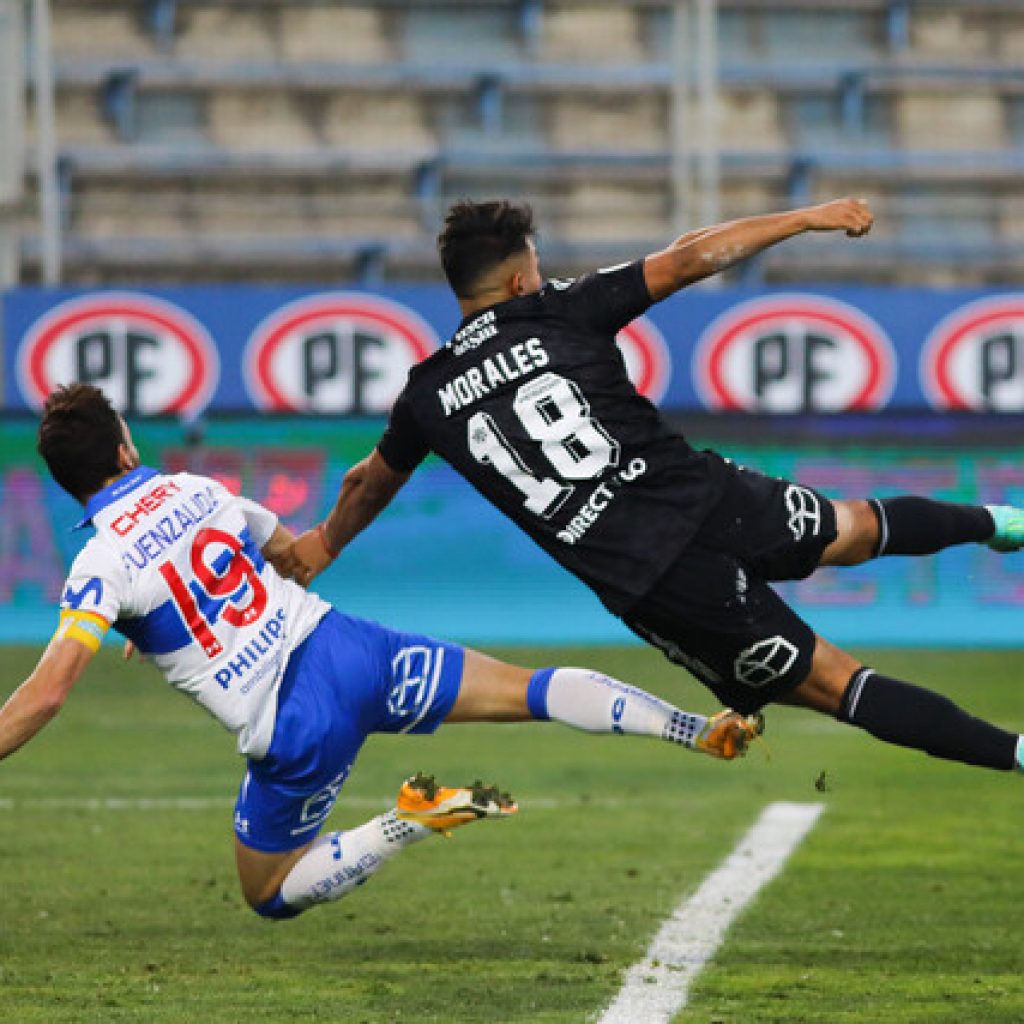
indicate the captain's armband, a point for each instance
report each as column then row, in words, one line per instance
column 87, row 628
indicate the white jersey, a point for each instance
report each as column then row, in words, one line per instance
column 176, row 567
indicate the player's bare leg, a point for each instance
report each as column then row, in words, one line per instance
column 897, row 712
column 858, row 534
column 918, row 526
column 261, row 874
column 282, row 885
column 495, row 691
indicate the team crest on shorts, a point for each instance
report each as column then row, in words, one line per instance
column 764, row 662
column 416, row 672
column 320, row 804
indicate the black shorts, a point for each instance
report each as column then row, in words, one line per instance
column 713, row 611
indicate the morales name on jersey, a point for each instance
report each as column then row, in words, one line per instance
column 493, row 372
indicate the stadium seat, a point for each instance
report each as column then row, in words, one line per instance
column 591, row 34
column 580, row 122
column 264, row 119
column 956, row 34
column 1009, row 39
column 378, row 120
column 104, row 210
column 90, row 30
column 78, row 119
column 228, row 31
column 602, row 211
column 750, row 119
column 335, row 34
column 961, row 120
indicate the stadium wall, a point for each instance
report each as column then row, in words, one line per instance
column 440, row 560
column 188, row 351
column 278, row 390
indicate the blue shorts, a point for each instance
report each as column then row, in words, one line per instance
column 347, row 679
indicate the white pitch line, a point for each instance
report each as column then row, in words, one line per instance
column 204, row 803
column 115, row 803
column 657, row 988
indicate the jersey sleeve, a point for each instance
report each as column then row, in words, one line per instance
column 402, row 446
column 261, row 521
column 94, row 594
column 608, row 299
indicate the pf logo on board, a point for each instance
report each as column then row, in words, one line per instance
column 647, row 359
column 974, row 358
column 794, row 354
column 147, row 355
column 336, row 352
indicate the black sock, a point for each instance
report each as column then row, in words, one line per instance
column 922, row 526
column 910, row 716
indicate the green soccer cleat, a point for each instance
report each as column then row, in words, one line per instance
column 1009, row 535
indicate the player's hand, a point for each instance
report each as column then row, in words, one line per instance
column 851, row 215
column 285, row 562
column 308, row 557
column 130, row 650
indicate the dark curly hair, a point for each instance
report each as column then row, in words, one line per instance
column 79, row 438
column 477, row 237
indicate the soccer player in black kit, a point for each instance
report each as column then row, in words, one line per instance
column 531, row 403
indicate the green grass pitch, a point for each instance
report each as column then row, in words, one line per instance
column 906, row 903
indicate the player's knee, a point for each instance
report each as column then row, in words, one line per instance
column 823, row 688
column 857, row 534
column 274, row 909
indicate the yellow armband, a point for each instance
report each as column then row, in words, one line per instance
column 86, row 627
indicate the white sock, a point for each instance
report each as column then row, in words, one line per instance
column 597, row 703
column 339, row 861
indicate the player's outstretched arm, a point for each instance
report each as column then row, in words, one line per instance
column 366, row 490
column 699, row 254
column 42, row 695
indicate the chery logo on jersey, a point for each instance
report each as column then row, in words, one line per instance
column 647, row 358
column 146, row 354
column 974, row 358
column 338, row 352
column 794, row 353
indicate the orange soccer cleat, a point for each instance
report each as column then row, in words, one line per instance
column 442, row 808
column 728, row 734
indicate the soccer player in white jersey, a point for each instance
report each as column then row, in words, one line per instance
column 194, row 577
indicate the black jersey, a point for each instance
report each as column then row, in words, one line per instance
column 530, row 402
